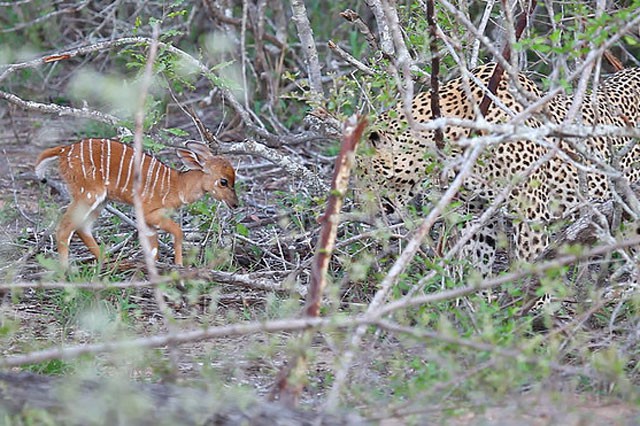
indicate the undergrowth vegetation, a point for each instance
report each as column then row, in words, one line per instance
column 438, row 331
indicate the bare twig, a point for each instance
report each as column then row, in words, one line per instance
column 14, row 3
column 141, row 224
column 273, row 326
column 266, row 281
column 61, row 110
column 143, row 229
column 305, row 33
column 493, row 282
column 351, row 16
column 295, row 170
column 70, row 9
column 349, row 58
column 403, row 62
column 494, row 81
column 479, row 346
column 287, row 324
column 24, row 285
column 435, row 73
column 243, row 52
column 473, row 60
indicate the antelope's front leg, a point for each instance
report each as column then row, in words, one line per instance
column 159, row 219
column 152, row 237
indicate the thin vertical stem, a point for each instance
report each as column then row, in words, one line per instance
column 305, row 33
column 143, row 230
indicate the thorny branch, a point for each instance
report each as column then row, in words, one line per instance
column 353, row 130
column 289, row 385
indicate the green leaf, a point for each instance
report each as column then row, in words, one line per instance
column 177, row 132
column 242, row 230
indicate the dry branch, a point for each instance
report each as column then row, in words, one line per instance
column 162, row 340
column 295, row 170
column 61, row 110
column 141, row 224
column 254, row 280
column 353, row 130
column 305, row 33
column 494, row 81
column 67, row 10
column 473, row 61
column 266, row 281
column 351, row 16
column 347, row 57
column 479, row 346
column 435, row 74
column 384, row 36
column 25, row 285
column 535, row 270
column 289, row 385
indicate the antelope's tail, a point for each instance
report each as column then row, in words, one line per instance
column 45, row 158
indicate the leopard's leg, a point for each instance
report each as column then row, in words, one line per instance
column 531, row 240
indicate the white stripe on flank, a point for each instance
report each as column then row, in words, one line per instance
column 168, row 186
column 155, row 178
column 106, row 179
column 164, row 172
column 148, row 177
column 84, row 171
column 69, row 156
column 144, row 157
column 93, row 166
column 126, row 184
column 122, row 155
column 102, row 169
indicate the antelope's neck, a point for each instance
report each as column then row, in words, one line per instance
column 188, row 188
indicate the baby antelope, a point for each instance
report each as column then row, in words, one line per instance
column 97, row 170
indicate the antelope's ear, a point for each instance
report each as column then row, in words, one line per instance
column 190, row 159
column 200, row 149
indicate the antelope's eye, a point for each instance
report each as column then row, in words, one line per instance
column 224, row 182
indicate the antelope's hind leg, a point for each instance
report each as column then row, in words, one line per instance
column 78, row 218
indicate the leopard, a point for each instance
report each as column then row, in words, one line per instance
column 549, row 178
